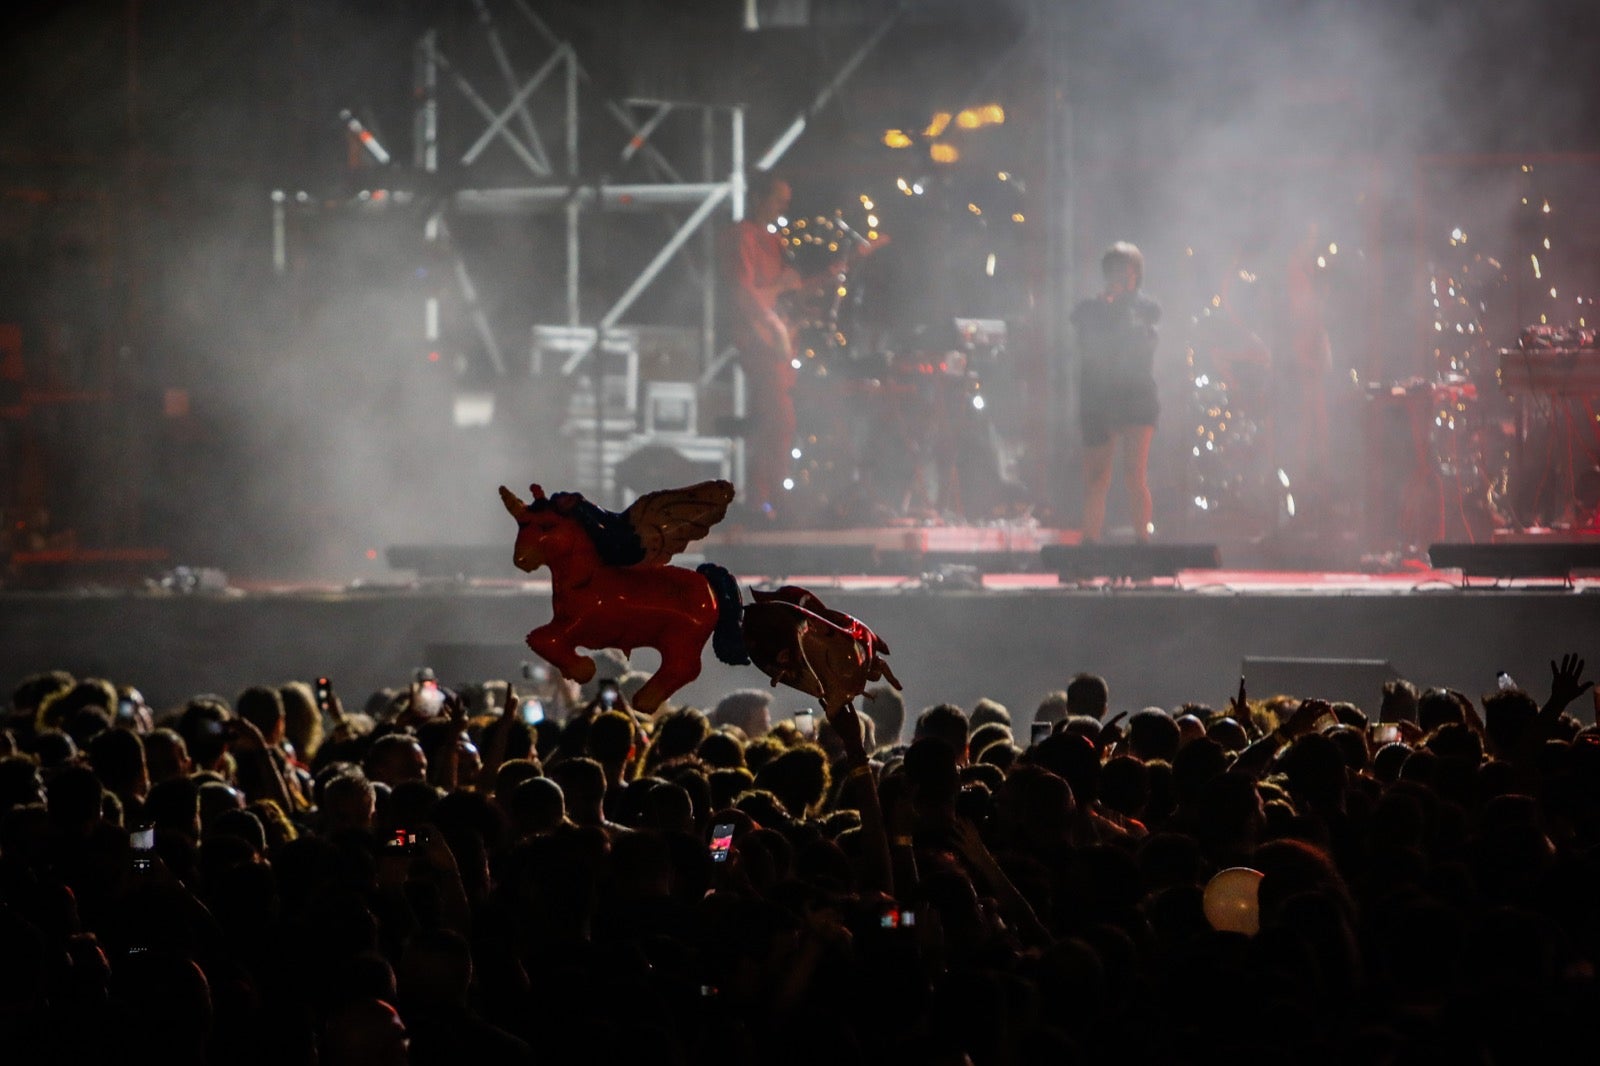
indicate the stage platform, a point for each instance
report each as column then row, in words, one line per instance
column 1011, row 636
column 910, row 549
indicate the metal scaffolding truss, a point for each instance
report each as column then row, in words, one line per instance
column 557, row 184
column 556, row 81
column 532, row 116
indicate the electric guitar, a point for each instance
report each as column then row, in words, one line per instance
column 813, row 302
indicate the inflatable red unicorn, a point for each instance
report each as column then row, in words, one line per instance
column 614, row 589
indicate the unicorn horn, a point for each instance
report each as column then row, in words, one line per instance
column 513, row 505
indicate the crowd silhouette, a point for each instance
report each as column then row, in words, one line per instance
column 538, row 873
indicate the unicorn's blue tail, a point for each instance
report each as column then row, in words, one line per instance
column 728, row 638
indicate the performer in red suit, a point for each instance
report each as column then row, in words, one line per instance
column 757, row 272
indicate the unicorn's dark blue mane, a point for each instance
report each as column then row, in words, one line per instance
column 613, row 535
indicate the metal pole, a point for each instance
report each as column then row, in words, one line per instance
column 1059, row 394
column 482, row 108
column 519, row 99
column 426, row 152
column 617, row 110
column 737, row 191
column 425, row 155
column 664, row 256
column 364, row 136
column 797, row 127
column 572, row 114
column 574, row 306
column 642, row 137
column 736, row 164
column 280, row 252
column 469, row 295
column 640, row 283
column 574, row 264
column 708, row 282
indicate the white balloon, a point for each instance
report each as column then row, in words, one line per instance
column 1232, row 901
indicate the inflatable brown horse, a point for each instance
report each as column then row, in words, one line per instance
column 797, row 641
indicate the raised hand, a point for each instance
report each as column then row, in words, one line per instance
column 847, row 723
column 1564, row 681
column 1469, row 711
column 1239, row 710
column 1305, row 718
column 455, row 708
column 1109, row 731
column 969, row 844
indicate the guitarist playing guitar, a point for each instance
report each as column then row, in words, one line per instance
column 758, row 273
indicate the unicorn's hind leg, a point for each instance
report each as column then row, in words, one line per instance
column 554, row 644
column 680, row 664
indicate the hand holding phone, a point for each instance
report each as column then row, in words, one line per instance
column 1239, row 706
column 1041, row 732
column 403, row 842
column 1384, row 733
column 142, row 841
column 324, row 689
column 805, row 722
column 893, row 917
column 721, row 841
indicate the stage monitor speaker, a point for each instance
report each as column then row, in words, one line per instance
column 1357, row 681
column 669, row 463
column 1525, row 559
column 1076, row 562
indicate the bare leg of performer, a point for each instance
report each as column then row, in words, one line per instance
column 770, row 401
column 1135, row 469
column 1096, row 483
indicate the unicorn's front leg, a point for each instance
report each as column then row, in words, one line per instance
column 553, row 644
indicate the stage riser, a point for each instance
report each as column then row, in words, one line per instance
column 1154, row 647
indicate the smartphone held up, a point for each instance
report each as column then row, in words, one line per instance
column 404, row 842
column 721, row 841
column 142, row 842
column 1385, row 733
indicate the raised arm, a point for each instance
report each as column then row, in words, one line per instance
column 1255, row 759
column 877, row 870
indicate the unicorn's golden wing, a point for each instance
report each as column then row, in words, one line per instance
column 668, row 520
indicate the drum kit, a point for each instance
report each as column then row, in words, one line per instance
column 894, row 424
column 893, row 421
column 1477, row 433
